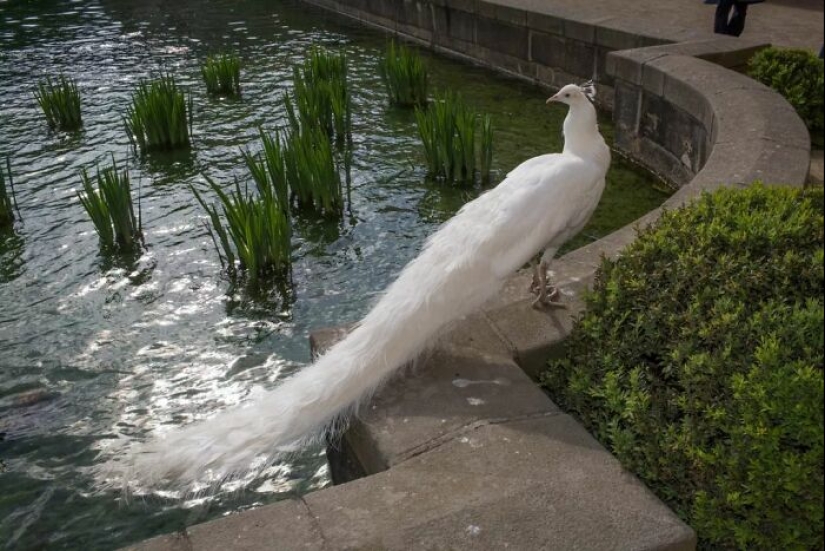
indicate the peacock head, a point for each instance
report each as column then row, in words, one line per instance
column 574, row 94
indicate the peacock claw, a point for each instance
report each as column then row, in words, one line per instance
column 549, row 299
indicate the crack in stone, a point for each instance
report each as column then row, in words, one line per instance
column 316, row 523
column 439, row 441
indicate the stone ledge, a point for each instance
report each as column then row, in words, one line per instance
column 540, row 483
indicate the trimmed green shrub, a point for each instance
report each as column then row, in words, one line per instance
column 405, row 76
column 222, row 75
column 699, row 363
column 160, row 117
column 798, row 76
column 7, row 203
column 111, row 208
column 60, row 101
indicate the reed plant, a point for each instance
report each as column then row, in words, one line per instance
column 312, row 172
column 59, row 99
column 256, row 235
column 448, row 131
column 321, row 95
column 111, row 208
column 222, row 75
column 268, row 169
column 486, row 147
column 405, row 76
column 7, row 201
column 160, row 117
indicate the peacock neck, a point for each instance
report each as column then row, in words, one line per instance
column 581, row 132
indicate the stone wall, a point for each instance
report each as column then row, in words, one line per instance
column 509, row 36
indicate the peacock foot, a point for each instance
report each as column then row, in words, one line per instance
column 549, row 298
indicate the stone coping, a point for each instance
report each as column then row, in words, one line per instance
column 465, row 451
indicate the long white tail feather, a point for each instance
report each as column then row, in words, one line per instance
column 541, row 204
column 415, row 308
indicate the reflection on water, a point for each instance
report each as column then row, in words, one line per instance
column 100, row 350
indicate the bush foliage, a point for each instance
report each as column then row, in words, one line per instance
column 798, row 76
column 699, row 363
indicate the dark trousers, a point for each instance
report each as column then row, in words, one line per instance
column 727, row 24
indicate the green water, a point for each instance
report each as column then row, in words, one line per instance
column 95, row 348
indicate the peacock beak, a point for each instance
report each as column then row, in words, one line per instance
column 553, row 99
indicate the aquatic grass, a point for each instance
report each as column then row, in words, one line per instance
column 160, row 117
column 111, row 208
column 486, row 147
column 8, row 204
column 321, row 96
column 256, row 235
column 448, row 132
column 59, row 99
column 312, row 172
column 405, row 76
column 268, row 169
column 222, row 75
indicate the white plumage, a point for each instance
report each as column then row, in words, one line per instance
column 539, row 206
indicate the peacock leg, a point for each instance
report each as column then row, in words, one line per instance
column 536, row 282
column 546, row 295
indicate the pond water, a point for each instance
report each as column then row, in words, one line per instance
column 94, row 347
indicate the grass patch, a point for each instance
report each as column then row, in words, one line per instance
column 321, row 96
column 312, row 172
column 301, row 169
column 256, row 237
column 448, row 131
column 160, row 117
column 222, row 75
column 7, row 200
column 111, row 208
column 60, row 101
column 405, row 76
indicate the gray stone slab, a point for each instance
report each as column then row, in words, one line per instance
column 437, row 401
column 286, row 526
column 502, row 37
column 502, row 12
column 170, row 542
column 462, row 25
column 547, row 49
column 763, row 160
column 531, row 485
column 686, row 80
column 534, row 333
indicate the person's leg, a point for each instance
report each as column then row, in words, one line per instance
column 737, row 22
column 720, row 23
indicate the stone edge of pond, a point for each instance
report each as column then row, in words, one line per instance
column 465, row 450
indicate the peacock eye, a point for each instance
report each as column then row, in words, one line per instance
column 567, row 95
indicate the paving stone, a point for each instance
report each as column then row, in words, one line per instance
column 438, row 400
column 530, row 485
column 286, row 526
